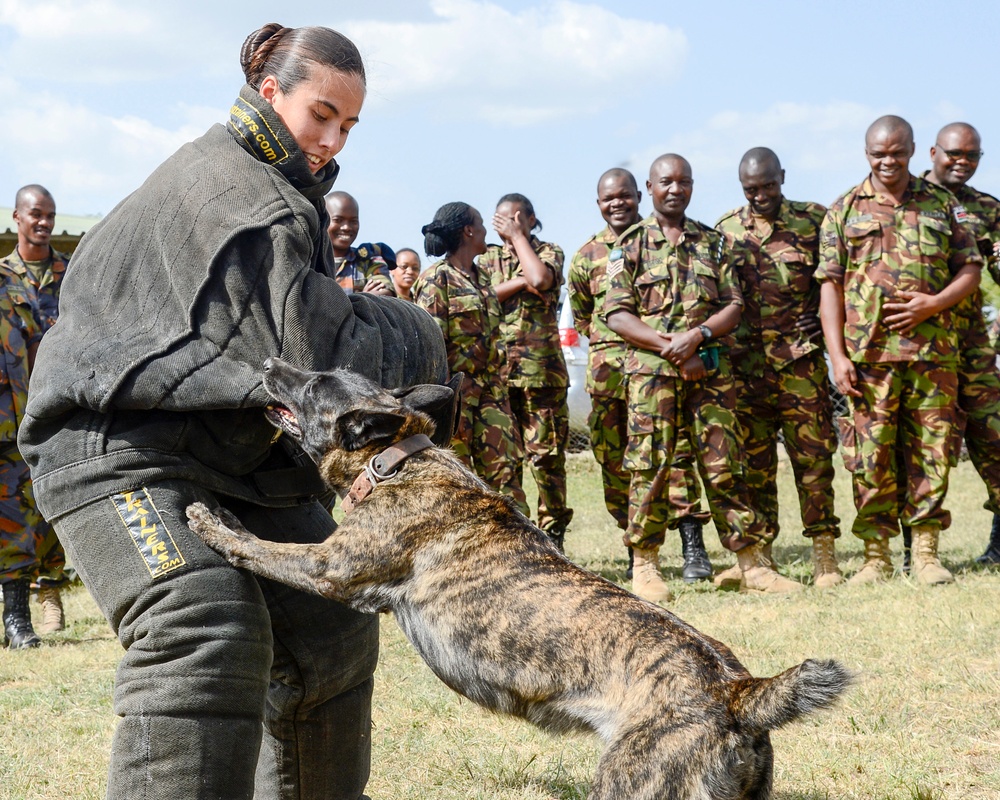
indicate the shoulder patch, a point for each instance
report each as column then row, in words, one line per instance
column 616, row 262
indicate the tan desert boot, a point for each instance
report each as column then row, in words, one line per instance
column 826, row 573
column 759, row 574
column 926, row 566
column 731, row 578
column 647, row 582
column 53, row 618
column 877, row 566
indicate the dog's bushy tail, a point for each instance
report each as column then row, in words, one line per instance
column 764, row 704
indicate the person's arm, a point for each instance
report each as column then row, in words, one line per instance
column 683, row 345
column 578, row 289
column 538, row 276
column 430, row 292
column 832, row 318
column 918, row 306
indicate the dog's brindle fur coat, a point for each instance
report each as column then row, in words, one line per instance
column 505, row 620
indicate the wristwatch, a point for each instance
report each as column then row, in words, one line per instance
column 706, row 332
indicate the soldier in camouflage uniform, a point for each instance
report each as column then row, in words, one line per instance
column 458, row 294
column 31, row 276
column 672, row 296
column 618, row 200
column 526, row 274
column 955, row 156
column 406, row 272
column 781, row 375
column 365, row 268
column 895, row 256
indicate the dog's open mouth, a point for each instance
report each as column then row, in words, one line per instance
column 284, row 420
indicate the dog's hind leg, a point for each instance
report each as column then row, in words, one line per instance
column 651, row 761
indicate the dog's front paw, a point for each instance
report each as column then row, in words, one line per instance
column 221, row 531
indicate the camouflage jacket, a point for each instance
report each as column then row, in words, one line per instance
column 586, row 286
column 671, row 289
column 360, row 265
column 774, row 263
column 530, row 326
column 41, row 296
column 982, row 215
column 17, row 329
column 875, row 248
column 468, row 312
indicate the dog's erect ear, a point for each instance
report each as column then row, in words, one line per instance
column 359, row 428
column 438, row 402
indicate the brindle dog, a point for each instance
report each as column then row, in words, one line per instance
column 504, row 619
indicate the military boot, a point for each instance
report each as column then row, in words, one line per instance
column 927, row 568
column 647, row 582
column 697, row 567
column 731, row 578
column 53, row 618
column 878, row 563
column 826, row 573
column 907, row 547
column 759, row 574
column 17, row 630
column 992, row 554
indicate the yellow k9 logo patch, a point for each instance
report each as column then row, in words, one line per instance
column 151, row 537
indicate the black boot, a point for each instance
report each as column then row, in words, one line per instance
column 631, row 563
column 697, row 567
column 557, row 534
column 992, row 554
column 907, row 544
column 17, row 630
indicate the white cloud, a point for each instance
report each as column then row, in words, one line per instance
column 523, row 67
column 88, row 154
column 107, row 41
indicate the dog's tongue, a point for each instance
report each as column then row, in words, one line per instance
column 283, row 419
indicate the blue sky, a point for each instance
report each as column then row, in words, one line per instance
column 470, row 99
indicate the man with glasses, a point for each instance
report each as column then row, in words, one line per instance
column 895, row 256
column 955, row 157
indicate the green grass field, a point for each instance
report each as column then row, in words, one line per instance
column 922, row 723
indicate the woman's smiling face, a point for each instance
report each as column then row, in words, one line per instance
column 319, row 112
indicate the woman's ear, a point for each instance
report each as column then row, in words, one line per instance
column 269, row 88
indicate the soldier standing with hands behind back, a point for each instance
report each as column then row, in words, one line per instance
column 779, row 366
column 955, row 158
column 29, row 548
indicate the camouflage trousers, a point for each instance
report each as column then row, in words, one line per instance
column 899, row 444
column 661, row 411
column 979, row 401
column 487, row 442
column 29, row 547
column 608, row 421
column 795, row 403
column 542, row 419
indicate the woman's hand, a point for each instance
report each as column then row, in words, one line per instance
column 378, row 287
